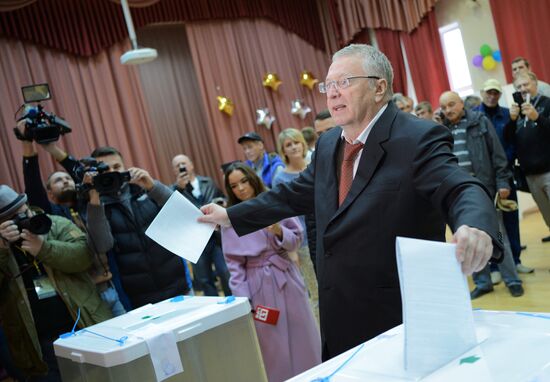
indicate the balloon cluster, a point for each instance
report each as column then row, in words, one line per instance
column 487, row 59
column 271, row 80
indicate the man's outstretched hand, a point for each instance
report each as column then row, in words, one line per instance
column 474, row 248
column 214, row 213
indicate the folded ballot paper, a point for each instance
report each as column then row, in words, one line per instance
column 437, row 311
column 176, row 228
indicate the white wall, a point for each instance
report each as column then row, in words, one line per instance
column 477, row 27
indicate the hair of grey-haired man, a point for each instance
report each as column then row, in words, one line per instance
column 375, row 63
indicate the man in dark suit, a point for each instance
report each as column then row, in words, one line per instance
column 405, row 181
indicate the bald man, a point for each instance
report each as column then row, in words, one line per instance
column 480, row 153
column 201, row 190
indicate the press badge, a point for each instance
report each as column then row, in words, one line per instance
column 43, row 287
column 266, row 315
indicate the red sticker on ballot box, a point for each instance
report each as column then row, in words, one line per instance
column 266, row 315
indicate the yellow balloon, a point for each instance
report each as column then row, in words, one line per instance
column 225, row 105
column 489, row 63
column 271, row 80
column 308, row 79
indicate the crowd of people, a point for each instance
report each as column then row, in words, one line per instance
column 307, row 234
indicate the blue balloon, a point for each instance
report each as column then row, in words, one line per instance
column 496, row 56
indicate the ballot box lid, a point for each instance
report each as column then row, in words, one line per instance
column 120, row 340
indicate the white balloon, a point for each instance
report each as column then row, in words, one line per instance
column 264, row 118
column 298, row 108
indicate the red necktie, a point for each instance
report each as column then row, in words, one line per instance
column 346, row 172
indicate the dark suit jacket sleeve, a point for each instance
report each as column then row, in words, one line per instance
column 285, row 200
column 461, row 199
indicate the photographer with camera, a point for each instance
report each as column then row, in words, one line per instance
column 60, row 198
column 201, row 190
column 43, row 283
column 122, row 204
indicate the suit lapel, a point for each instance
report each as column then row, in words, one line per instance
column 373, row 152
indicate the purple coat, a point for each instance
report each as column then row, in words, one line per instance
column 260, row 270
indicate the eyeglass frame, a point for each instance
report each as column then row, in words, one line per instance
column 339, row 83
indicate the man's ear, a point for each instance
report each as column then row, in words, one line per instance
column 381, row 90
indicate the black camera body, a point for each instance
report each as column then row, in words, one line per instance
column 104, row 182
column 183, row 168
column 40, row 126
column 39, row 224
column 110, row 182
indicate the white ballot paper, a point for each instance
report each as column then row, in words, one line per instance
column 437, row 310
column 163, row 350
column 176, row 228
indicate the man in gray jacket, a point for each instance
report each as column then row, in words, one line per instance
column 480, row 153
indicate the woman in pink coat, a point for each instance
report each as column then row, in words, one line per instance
column 261, row 270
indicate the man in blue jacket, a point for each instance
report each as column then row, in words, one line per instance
column 266, row 165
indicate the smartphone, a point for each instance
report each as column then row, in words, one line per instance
column 518, row 98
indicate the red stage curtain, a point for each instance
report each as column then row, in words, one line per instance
column 86, row 27
column 389, row 43
column 522, row 31
column 355, row 15
column 426, row 60
column 102, row 101
column 239, row 54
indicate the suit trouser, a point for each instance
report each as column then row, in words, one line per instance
column 539, row 185
column 507, row 267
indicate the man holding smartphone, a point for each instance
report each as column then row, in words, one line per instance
column 201, row 190
column 529, row 131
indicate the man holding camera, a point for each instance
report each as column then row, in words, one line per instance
column 119, row 212
column 201, row 190
column 43, row 283
column 499, row 116
column 61, row 198
column 529, row 131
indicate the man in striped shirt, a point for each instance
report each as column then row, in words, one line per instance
column 480, row 153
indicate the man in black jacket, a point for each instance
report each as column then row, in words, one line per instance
column 60, row 198
column 201, row 190
column 143, row 271
column 529, row 130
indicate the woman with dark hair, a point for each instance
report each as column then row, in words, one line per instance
column 261, row 270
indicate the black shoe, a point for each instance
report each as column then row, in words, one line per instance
column 478, row 292
column 545, row 239
column 516, row 290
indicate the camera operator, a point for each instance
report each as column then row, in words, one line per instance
column 61, row 199
column 201, row 190
column 143, row 271
column 43, row 282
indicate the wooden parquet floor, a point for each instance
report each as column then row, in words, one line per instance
column 537, row 284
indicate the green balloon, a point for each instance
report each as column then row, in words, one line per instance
column 485, row 50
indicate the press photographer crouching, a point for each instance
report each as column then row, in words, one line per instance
column 122, row 204
column 60, row 198
column 43, row 282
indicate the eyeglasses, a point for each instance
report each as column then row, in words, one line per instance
column 324, row 87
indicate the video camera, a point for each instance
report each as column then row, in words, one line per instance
column 41, row 126
column 104, row 182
